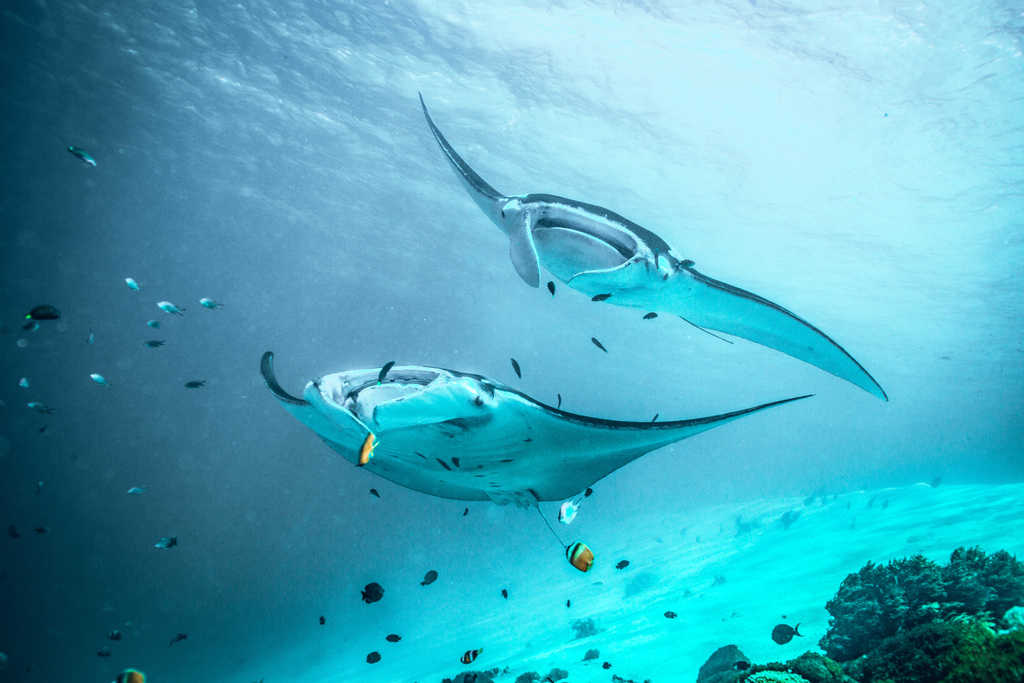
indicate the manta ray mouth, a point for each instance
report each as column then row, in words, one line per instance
column 360, row 393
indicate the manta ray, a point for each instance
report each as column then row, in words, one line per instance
column 462, row 436
column 606, row 256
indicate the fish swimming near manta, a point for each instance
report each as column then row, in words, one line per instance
column 424, row 417
column 610, row 258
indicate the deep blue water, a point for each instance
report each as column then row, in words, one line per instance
column 861, row 165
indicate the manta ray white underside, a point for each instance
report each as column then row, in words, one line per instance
column 463, row 436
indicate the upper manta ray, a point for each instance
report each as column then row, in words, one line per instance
column 599, row 252
column 456, row 435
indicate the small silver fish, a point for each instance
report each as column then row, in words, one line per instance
column 210, row 303
column 40, row 407
column 99, row 379
column 155, row 324
column 136, row 490
column 567, row 511
column 82, row 154
column 168, row 307
column 23, row 382
column 92, row 338
column 166, row 542
column 132, row 284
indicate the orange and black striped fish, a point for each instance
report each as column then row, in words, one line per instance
column 470, row 656
column 580, row 556
column 131, row 676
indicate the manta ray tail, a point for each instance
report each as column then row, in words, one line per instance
column 720, row 306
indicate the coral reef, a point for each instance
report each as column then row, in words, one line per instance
column 959, row 651
column 814, row 668
column 880, row 601
column 470, row 677
column 908, row 621
column 584, row 628
column 1013, row 619
column 727, row 664
column 774, row 677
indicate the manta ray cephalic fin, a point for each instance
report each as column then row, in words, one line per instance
column 523, row 251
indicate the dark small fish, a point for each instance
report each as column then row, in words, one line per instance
column 178, row 638
column 568, row 604
column 783, row 633
column 651, row 316
column 114, row 635
column 430, row 577
column 373, row 592
column 606, row 665
column 12, row 531
column 465, row 512
column 600, row 297
column 741, row 665
column 598, row 344
column 42, row 429
column 41, row 529
column 591, row 654
column 103, row 652
column 195, row 383
column 655, row 418
column 384, row 371
column 393, row 638
column 515, row 366
column 373, row 657
column 935, row 482
column 455, row 461
column 323, row 620
column 670, row 615
column 622, row 564
column 43, row 312
column 154, row 343
column 588, row 492
column 375, row 492
column 559, row 401
column 504, row 593
column 551, row 287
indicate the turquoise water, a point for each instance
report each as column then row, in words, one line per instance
column 860, row 165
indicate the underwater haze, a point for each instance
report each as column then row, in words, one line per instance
column 860, row 164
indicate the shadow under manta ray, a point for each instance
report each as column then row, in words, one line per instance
column 599, row 252
column 457, row 435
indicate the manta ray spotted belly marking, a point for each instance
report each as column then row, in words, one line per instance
column 458, row 435
column 600, row 253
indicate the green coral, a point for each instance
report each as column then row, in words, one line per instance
column 880, row 601
column 812, row 666
column 984, row 656
column 964, row 650
column 774, row 677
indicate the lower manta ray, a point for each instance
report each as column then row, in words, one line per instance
column 456, row 435
column 611, row 258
